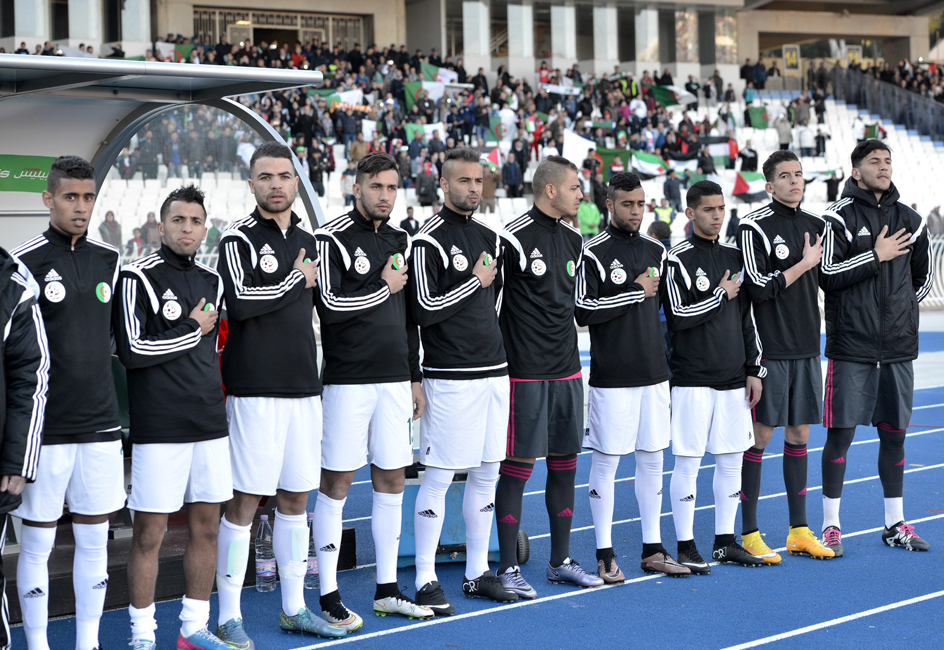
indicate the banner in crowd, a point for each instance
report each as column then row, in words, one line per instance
column 435, row 73
column 576, row 147
column 671, row 95
column 175, row 52
column 413, row 91
column 758, row 116
column 875, row 132
column 554, row 89
column 690, row 165
column 648, row 164
column 426, row 129
column 493, row 159
column 811, row 176
column 24, row 173
column 613, row 160
column 368, row 127
column 749, row 187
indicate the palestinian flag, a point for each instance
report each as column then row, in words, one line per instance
column 810, row 177
column 648, row 165
column 680, row 166
column 749, row 187
column 611, row 160
column 413, row 90
column 758, row 117
column 671, row 95
column 496, row 130
column 493, row 159
column 435, row 73
column 874, row 132
column 532, row 124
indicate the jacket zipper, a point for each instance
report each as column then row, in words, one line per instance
column 881, row 303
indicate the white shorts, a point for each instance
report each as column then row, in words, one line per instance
column 709, row 420
column 465, row 423
column 275, row 443
column 623, row 420
column 89, row 476
column 165, row 476
column 367, row 423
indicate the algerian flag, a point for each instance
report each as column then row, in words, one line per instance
column 680, row 166
column 355, row 96
column 811, row 176
column 435, row 73
column 493, row 159
column 648, row 164
column 554, row 89
column 758, row 116
column 496, row 130
column 425, row 129
column 175, row 52
column 749, row 187
column 412, row 90
column 671, row 95
column 613, row 161
column 874, row 132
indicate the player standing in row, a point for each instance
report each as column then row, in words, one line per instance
column 716, row 376
column 81, row 462
column 540, row 254
column 628, row 407
column 877, row 267
column 273, row 409
column 465, row 379
column 178, row 416
column 781, row 248
column 372, row 383
column 24, row 368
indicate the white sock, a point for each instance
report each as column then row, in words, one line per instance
column 683, row 490
column 649, row 494
column 143, row 624
column 894, row 511
column 727, row 488
column 478, row 510
column 327, row 533
column 290, row 547
column 831, row 513
column 232, row 558
column 32, row 578
column 428, row 519
column 602, row 476
column 90, row 581
column 194, row 616
column 386, row 515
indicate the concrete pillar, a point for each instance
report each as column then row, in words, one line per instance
column 135, row 27
column 563, row 36
column 426, row 25
column 605, row 39
column 476, row 37
column 685, row 35
column 85, row 23
column 31, row 24
column 647, row 41
column 521, row 63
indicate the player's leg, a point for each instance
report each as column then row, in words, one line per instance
column 691, row 418
column 146, row 542
column 612, row 418
column 232, row 561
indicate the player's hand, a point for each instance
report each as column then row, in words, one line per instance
column 754, row 389
column 419, row 399
column 649, row 281
column 486, row 274
column 395, row 278
column 12, row 484
column 888, row 247
column 206, row 319
column 309, row 269
column 731, row 284
column 812, row 251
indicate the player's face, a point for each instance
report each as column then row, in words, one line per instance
column 874, row 173
column 567, row 196
column 274, row 184
column 377, row 194
column 787, row 186
column 707, row 217
column 463, row 188
column 628, row 209
column 70, row 207
column 184, row 228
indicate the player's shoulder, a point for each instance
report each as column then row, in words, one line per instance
column 107, row 251
column 519, row 224
column 572, row 232
column 908, row 212
column 758, row 215
column 207, row 271
column 335, row 229
column 28, row 249
column 653, row 243
column 242, row 229
column 142, row 267
column 681, row 248
column 841, row 207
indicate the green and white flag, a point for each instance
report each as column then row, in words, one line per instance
column 671, row 95
column 811, row 176
column 412, row 90
column 758, row 116
column 435, row 73
column 648, row 164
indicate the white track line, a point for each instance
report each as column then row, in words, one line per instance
column 836, row 621
column 354, row 638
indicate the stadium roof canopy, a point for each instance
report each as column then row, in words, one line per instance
column 888, row 7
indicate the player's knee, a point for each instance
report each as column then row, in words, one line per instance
column 148, row 532
column 797, row 435
column 291, row 503
column 389, row 481
column 840, row 439
column 762, row 435
column 889, row 437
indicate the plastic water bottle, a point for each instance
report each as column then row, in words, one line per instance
column 265, row 558
column 311, row 575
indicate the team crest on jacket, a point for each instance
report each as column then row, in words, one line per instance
column 701, row 282
column 361, row 265
column 538, row 267
column 269, row 264
column 103, row 292
column 781, row 250
column 460, row 262
column 55, row 292
column 571, row 268
column 171, row 310
column 617, row 274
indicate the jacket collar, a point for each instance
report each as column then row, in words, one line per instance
column 618, row 233
column 784, row 210
column 180, row 262
column 852, row 190
column 363, row 222
column 543, row 220
column 701, row 242
column 57, row 238
column 272, row 223
column 454, row 218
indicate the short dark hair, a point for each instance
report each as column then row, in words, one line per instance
column 271, row 150
column 863, row 149
column 461, row 154
column 68, row 167
column 700, row 190
column 774, row 159
column 188, row 194
column 374, row 163
column 622, row 182
column 550, row 172
column 660, row 230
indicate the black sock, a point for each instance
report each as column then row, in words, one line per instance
column 328, row 599
column 386, row 590
column 559, row 499
column 686, row 544
column 891, row 460
column 837, row 446
column 750, row 488
column 723, row 540
column 794, row 477
column 511, row 481
column 651, row 549
column 603, row 553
